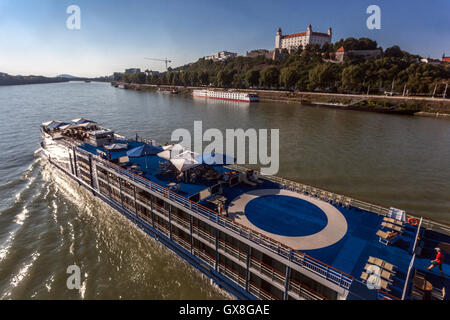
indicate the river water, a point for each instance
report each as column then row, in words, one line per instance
column 48, row 223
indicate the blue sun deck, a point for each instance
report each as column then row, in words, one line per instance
column 292, row 217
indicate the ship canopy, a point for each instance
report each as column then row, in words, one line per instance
column 215, row 158
column 81, row 121
column 171, row 151
column 50, row 125
column 144, row 150
column 116, row 146
column 185, row 161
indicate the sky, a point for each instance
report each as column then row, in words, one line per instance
column 115, row 34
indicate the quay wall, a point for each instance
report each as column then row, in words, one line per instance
column 426, row 105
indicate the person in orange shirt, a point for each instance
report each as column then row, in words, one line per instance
column 437, row 261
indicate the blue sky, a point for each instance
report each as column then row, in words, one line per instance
column 118, row 34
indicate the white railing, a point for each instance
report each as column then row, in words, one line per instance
column 231, row 274
column 302, row 292
column 210, row 261
column 269, row 272
column 260, row 293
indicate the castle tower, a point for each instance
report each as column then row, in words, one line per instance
column 278, row 39
column 329, row 31
column 308, row 35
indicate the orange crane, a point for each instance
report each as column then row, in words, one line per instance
column 163, row 60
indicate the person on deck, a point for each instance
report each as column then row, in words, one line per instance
column 391, row 234
column 437, row 261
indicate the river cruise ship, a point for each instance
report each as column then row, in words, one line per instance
column 226, row 95
column 257, row 237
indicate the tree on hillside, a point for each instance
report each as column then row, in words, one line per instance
column 393, row 51
column 353, row 77
column 204, row 78
column 225, row 78
column 270, row 77
column 252, row 78
column 289, row 77
column 323, row 76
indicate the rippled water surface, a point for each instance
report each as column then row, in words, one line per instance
column 47, row 223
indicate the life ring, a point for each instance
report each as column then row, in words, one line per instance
column 413, row 221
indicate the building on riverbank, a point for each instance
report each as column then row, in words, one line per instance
column 132, row 71
column 222, row 55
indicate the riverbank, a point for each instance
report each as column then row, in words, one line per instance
column 421, row 106
column 9, row 80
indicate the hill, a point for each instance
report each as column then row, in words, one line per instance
column 313, row 69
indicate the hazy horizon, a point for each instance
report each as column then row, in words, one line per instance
column 115, row 35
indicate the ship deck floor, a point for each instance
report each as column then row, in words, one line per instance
column 341, row 237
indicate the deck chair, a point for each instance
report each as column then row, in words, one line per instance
column 392, row 226
column 364, row 276
column 393, row 221
column 438, row 294
column 244, row 179
column 382, row 264
column 123, row 161
column 385, row 239
column 388, row 266
column 384, row 285
column 386, row 275
column 416, row 294
column 375, row 261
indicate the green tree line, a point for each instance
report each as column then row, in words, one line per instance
column 312, row 69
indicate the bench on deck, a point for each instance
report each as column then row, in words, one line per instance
column 386, row 238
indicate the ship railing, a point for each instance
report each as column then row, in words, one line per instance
column 162, row 228
column 332, row 274
column 232, row 274
column 204, row 256
column 307, row 262
column 303, row 291
column 233, row 251
column 180, row 220
column 143, row 199
column 182, row 242
column 204, row 234
column 270, row 272
column 260, row 293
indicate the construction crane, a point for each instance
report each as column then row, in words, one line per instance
column 163, row 60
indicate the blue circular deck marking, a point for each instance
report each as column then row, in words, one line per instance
column 285, row 215
column 285, row 225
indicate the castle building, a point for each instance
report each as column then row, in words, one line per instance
column 295, row 40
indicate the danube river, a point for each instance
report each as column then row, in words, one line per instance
column 47, row 224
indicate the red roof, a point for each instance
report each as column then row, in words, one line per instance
column 341, row 49
column 446, row 59
column 301, row 34
column 294, row 35
column 320, row 34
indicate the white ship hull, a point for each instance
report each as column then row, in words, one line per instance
column 226, row 95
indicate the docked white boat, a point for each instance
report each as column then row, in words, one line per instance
column 226, row 95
